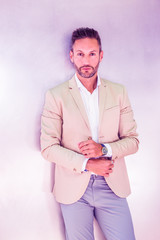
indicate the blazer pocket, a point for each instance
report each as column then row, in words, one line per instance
column 110, row 122
column 112, row 113
column 116, row 107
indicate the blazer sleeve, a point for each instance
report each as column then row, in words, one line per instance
column 128, row 138
column 51, row 131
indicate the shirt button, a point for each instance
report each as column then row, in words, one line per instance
column 74, row 170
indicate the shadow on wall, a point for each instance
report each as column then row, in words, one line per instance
column 52, row 178
column 38, row 131
column 66, row 43
column 38, row 147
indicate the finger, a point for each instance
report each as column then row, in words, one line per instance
column 108, row 170
column 83, row 150
column 106, row 175
column 86, row 147
column 111, row 166
column 88, row 154
column 81, row 144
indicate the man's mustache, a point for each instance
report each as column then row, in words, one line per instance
column 85, row 66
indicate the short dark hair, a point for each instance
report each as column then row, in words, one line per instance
column 85, row 33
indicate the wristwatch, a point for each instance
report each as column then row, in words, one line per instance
column 104, row 149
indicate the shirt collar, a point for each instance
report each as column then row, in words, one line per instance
column 81, row 86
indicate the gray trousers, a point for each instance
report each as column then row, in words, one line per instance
column 99, row 201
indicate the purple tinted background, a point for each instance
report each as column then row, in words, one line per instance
column 34, row 46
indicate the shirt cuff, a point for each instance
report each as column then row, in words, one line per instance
column 109, row 153
column 84, row 164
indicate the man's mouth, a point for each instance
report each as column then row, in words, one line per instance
column 86, row 68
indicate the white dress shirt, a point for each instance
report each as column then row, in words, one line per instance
column 90, row 101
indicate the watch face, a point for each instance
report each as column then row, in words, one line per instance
column 104, row 150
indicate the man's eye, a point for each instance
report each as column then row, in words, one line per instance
column 92, row 54
column 80, row 54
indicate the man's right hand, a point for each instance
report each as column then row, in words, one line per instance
column 100, row 166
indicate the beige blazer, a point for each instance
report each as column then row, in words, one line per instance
column 65, row 124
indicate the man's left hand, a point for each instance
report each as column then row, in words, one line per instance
column 90, row 149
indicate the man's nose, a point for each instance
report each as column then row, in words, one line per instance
column 86, row 60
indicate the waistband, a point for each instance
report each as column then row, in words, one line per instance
column 93, row 176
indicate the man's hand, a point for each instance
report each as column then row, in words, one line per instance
column 90, row 149
column 100, row 166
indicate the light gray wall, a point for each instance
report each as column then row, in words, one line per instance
column 34, row 46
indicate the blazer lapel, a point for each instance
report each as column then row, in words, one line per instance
column 78, row 100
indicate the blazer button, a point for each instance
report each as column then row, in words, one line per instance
column 74, row 169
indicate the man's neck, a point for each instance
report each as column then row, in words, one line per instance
column 89, row 83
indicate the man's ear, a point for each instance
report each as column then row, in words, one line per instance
column 71, row 55
column 101, row 55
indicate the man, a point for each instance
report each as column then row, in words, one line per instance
column 87, row 130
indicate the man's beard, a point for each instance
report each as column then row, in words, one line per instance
column 87, row 74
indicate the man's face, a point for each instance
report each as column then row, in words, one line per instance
column 86, row 57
